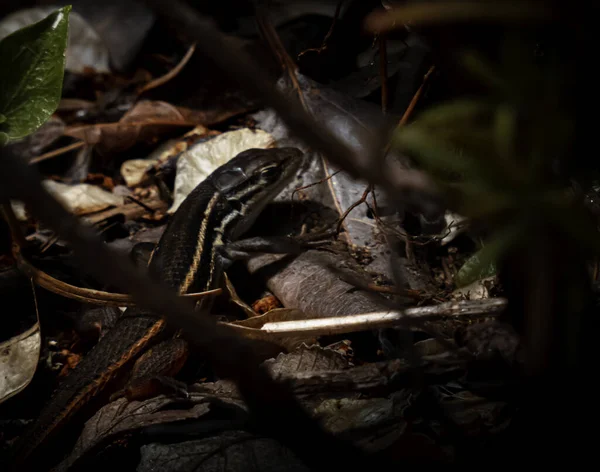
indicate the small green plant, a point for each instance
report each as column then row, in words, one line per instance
column 33, row 63
column 506, row 157
column 494, row 155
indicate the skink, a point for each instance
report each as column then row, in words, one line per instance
column 190, row 257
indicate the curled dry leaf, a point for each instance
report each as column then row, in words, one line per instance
column 346, row 414
column 19, row 210
column 212, row 116
column 121, row 417
column 200, row 160
column 455, row 225
column 473, row 414
column 79, row 199
column 145, row 122
column 82, row 198
column 307, row 359
column 478, row 290
column 18, row 361
column 128, row 211
column 134, row 170
column 230, row 451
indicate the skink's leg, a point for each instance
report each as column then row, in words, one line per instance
column 153, row 372
column 249, row 247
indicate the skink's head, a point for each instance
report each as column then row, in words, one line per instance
column 253, row 178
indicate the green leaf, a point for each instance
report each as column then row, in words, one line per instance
column 505, row 132
column 475, row 268
column 430, row 151
column 3, row 138
column 33, row 62
column 467, row 151
column 482, row 264
column 481, row 69
column 456, row 114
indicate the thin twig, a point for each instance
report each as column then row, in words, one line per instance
column 361, row 200
column 169, row 75
column 289, row 66
column 323, row 46
column 57, row 152
column 413, row 103
column 383, row 70
column 85, row 295
column 49, row 243
column 312, row 184
column 411, row 106
column 140, row 203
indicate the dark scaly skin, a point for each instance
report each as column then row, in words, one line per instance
column 96, row 373
column 102, row 369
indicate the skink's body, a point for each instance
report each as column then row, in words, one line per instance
column 190, row 258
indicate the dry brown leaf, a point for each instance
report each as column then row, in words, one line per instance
column 83, row 198
column 122, row 417
column 266, row 304
column 152, row 111
column 212, row 116
column 18, row 361
column 201, row 159
column 145, row 122
column 306, row 359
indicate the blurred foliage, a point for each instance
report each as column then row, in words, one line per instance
column 497, row 155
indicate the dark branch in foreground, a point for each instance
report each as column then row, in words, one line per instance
column 276, row 410
column 409, row 186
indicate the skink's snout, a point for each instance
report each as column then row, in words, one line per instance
column 291, row 158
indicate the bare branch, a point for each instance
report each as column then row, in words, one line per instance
column 386, row 319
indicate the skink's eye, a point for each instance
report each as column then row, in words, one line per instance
column 229, row 179
column 269, row 172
